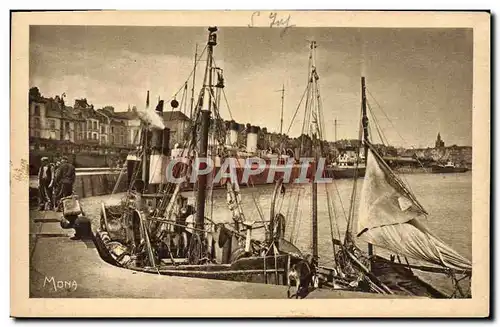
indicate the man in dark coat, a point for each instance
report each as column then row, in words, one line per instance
column 64, row 178
column 45, row 175
column 53, row 185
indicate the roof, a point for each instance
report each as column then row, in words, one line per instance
column 126, row 115
column 174, row 115
column 90, row 113
column 117, row 122
column 53, row 109
column 72, row 114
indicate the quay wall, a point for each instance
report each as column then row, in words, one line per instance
column 101, row 181
column 95, row 184
column 89, row 183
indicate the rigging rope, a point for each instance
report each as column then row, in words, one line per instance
column 297, row 110
column 190, row 74
column 386, row 142
column 331, row 227
column 355, row 184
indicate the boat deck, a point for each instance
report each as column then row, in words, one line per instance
column 56, row 258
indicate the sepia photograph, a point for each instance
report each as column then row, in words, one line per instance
column 269, row 156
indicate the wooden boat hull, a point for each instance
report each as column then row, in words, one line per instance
column 449, row 170
column 401, row 280
column 269, row 270
column 347, row 172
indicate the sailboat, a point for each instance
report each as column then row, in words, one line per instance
column 390, row 218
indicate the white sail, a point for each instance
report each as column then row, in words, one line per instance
column 388, row 218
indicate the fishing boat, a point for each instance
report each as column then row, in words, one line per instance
column 154, row 230
column 347, row 165
column 449, row 167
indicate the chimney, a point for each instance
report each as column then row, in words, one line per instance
column 232, row 137
column 159, row 107
column 252, row 139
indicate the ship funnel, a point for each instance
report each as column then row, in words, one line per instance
column 232, row 137
column 252, row 139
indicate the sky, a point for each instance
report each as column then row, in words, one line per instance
column 419, row 80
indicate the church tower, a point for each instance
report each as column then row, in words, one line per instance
column 439, row 142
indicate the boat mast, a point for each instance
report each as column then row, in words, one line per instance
column 315, row 203
column 282, row 106
column 145, row 152
column 335, row 129
column 194, row 80
column 365, row 134
column 205, row 124
column 313, row 80
column 281, row 120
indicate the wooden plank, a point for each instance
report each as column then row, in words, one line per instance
column 213, row 272
column 438, row 270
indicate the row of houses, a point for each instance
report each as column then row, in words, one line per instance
column 51, row 120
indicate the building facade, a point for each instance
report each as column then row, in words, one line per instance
column 178, row 123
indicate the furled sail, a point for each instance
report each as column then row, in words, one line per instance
column 388, row 218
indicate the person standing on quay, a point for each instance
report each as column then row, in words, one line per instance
column 64, row 179
column 53, row 185
column 45, row 175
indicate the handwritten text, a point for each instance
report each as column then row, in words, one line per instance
column 273, row 20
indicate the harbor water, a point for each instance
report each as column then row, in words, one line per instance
column 446, row 197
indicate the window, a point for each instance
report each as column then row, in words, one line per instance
column 94, row 136
column 136, row 139
column 52, row 124
column 89, row 124
column 95, row 125
column 37, row 133
column 36, row 122
column 112, row 139
column 103, row 129
column 80, row 136
column 89, row 135
column 36, row 110
column 112, row 129
column 67, row 126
